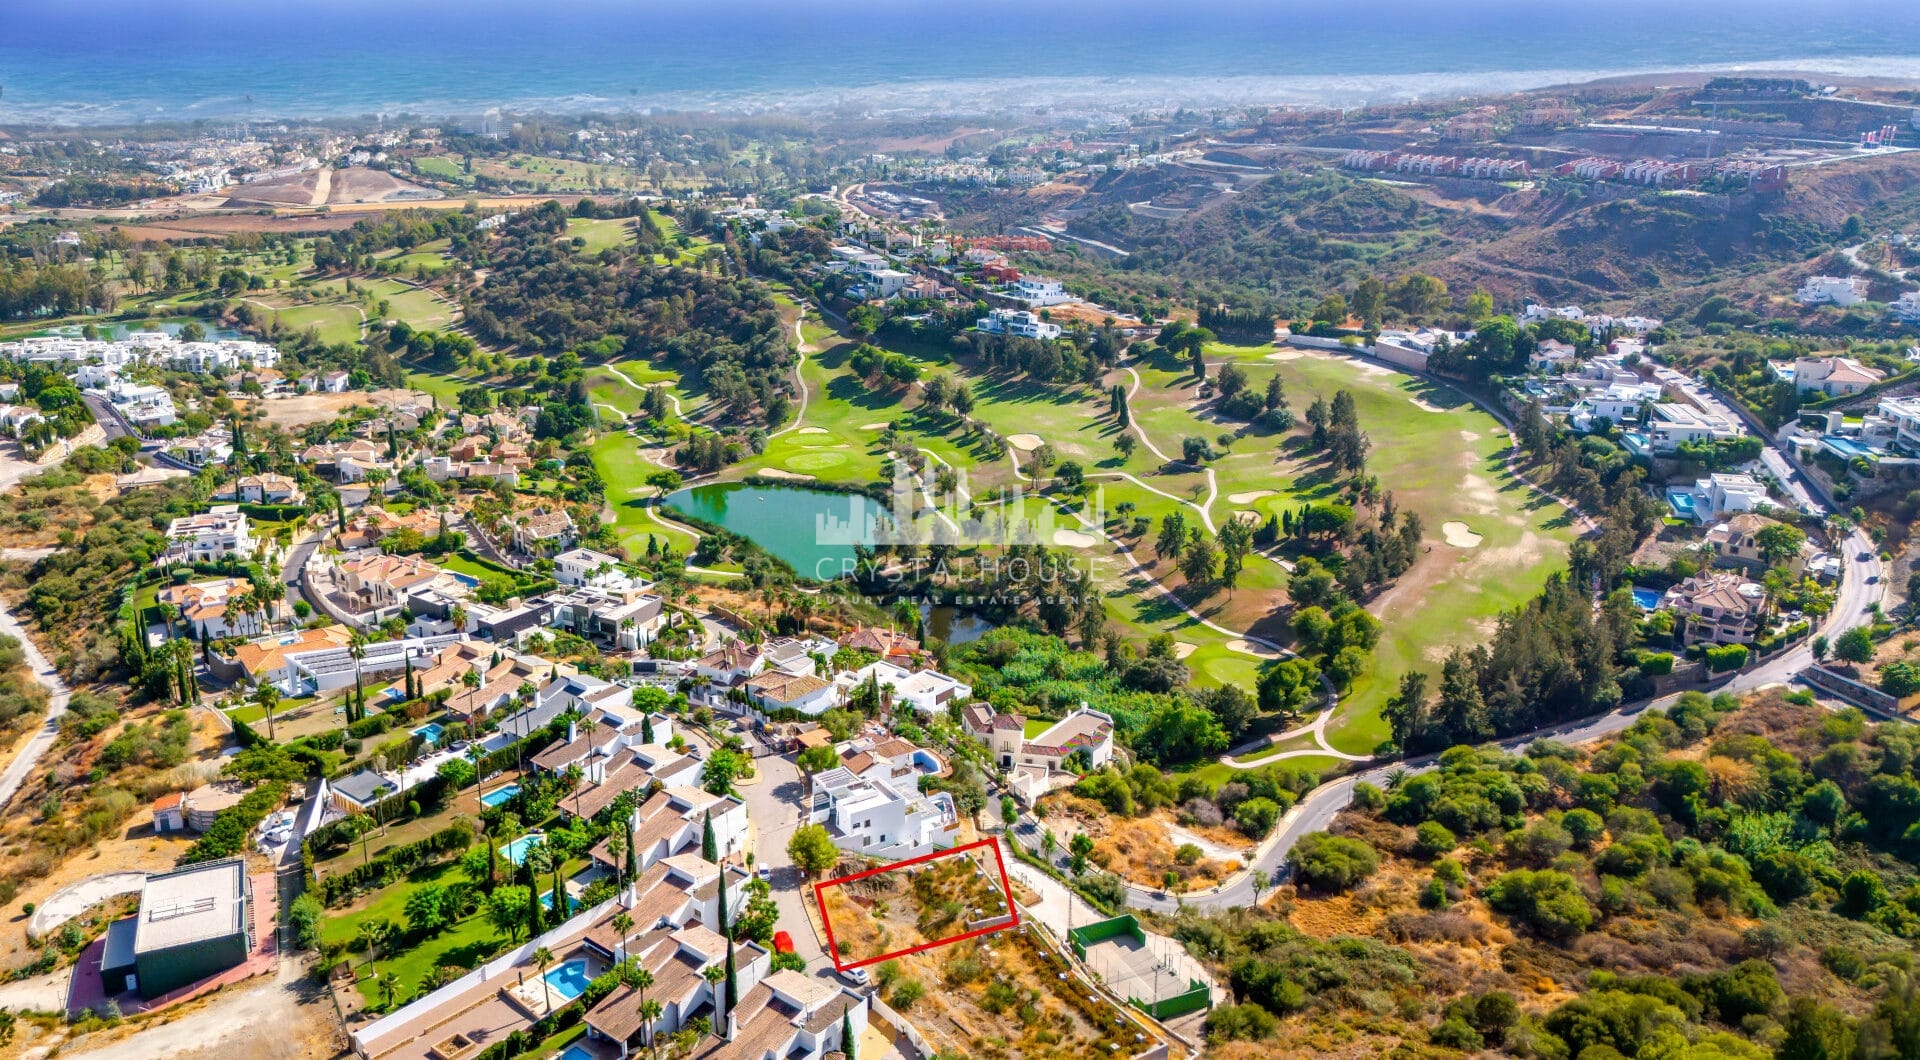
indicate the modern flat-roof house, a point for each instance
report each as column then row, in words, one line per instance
column 584, row 566
column 1020, row 322
column 1719, row 607
column 1832, row 290
column 625, row 619
column 1718, row 496
column 208, row 537
column 1674, row 425
column 359, row 792
column 877, row 816
column 926, row 691
column 193, row 923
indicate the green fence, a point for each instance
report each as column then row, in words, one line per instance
column 1196, row 997
column 1081, row 937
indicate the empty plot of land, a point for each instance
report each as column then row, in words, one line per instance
column 917, row 904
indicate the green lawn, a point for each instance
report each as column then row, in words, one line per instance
column 336, row 322
column 616, row 454
column 419, row 309
column 463, row 945
column 601, row 233
column 445, row 167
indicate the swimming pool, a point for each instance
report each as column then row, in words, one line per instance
column 516, row 851
column 1682, row 503
column 432, row 730
column 546, row 902
column 1646, row 599
column 569, row 980
column 499, row 795
column 575, row 1052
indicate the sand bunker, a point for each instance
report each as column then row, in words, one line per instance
column 1249, row 497
column 1422, row 405
column 1285, row 355
column 1255, row 650
column 813, row 430
column 1074, row 539
column 774, row 472
column 1183, row 649
column 1469, row 436
column 873, row 426
column 1026, row 443
column 1459, row 536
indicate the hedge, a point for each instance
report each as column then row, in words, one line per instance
column 389, row 864
column 1656, row 663
column 1726, row 657
column 230, row 829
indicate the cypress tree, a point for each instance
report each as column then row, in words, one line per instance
column 730, row 995
column 846, row 1034
column 633, row 859
column 533, row 905
column 646, row 729
column 709, row 848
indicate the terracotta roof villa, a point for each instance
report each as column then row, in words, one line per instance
column 673, row 905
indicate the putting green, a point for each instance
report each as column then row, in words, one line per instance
column 815, row 461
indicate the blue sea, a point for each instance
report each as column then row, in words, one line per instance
column 100, row 61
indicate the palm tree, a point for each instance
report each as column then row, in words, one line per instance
column 168, row 615
column 268, row 697
column 641, row 979
column 649, row 1014
column 356, row 647
column 543, row 957
column 623, row 924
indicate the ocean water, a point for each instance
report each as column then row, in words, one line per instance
column 99, row 61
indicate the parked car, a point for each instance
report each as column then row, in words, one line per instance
column 782, row 942
column 763, row 872
column 856, row 976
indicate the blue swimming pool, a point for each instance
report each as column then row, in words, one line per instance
column 546, row 902
column 1646, row 599
column 432, row 730
column 1682, row 504
column 516, row 851
column 570, row 979
column 499, row 795
column 575, row 1052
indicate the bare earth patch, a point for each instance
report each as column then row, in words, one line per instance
column 312, row 408
column 1469, row 436
column 1423, row 406
column 1459, row 535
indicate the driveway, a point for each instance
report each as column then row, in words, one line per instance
column 773, row 812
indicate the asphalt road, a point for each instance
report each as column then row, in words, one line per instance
column 295, row 562
column 103, row 414
column 1315, row 812
column 16, row 772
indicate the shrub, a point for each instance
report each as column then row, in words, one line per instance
column 1256, row 816
column 1333, row 863
column 1240, row 1022
column 1549, row 902
column 1584, row 826
column 1433, row 839
column 906, row 993
column 1368, row 797
column 1455, row 1033
column 1188, row 854
column 1656, row 663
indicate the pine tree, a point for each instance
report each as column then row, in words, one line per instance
column 709, row 848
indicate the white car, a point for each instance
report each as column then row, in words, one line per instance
column 856, row 976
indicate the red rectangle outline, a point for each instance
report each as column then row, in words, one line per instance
column 1006, row 890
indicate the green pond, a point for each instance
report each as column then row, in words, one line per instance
column 784, row 520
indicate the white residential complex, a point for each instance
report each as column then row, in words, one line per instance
column 1021, row 322
column 1832, row 290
